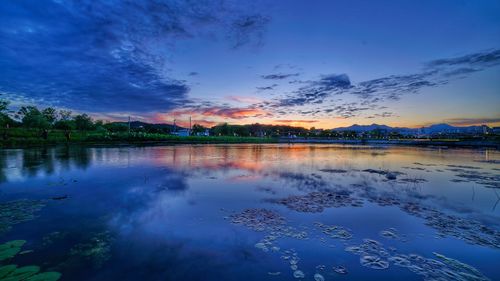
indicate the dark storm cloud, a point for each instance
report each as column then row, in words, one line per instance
column 278, row 76
column 384, row 114
column 316, row 91
column 267, row 88
column 478, row 59
column 247, row 29
column 348, row 110
column 105, row 56
column 436, row 72
column 393, row 87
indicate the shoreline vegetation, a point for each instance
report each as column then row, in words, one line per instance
column 24, row 138
column 30, row 126
column 20, row 138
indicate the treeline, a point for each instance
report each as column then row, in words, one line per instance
column 47, row 118
column 32, row 117
column 254, row 130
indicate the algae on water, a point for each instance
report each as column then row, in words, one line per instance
column 18, row 211
column 97, row 249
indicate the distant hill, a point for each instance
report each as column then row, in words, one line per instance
column 139, row 124
column 432, row 129
column 364, row 128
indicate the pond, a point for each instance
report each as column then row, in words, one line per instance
column 250, row 212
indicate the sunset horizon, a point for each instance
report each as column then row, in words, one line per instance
column 332, row 64
column 264, row 140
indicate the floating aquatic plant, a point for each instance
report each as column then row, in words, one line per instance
column 10, row 249
column 258, row 219
column 316, row 202
column 471, row 231
column 375, row 256
column 298, row 274
column 97, row 249
column 26, row 273
column 51, row 237
column 340, row 269
column 412, row 180
column 372, row 254
column 390, row 175
column 374, row 262
column 18, row 211
column 318, row 277
column 334, row 231
column 471, row 174
column 334, row 171
column 390, row 233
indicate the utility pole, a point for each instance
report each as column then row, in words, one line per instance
column 190, row 125
column 129, row 125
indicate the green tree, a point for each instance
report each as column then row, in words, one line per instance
column 197, row 128
column 65, row 125
column 3, row 106
column 50, row 115
column 65, row 115
column 4, row 117
column 241, row 131
column 99, row 125
column 83, row 122
column 116, row 127
column 31, row 117
column 222, row 130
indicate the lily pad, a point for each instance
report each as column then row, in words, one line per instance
column 373, row 262
column 21, row 273
column 45, row 276
column 6, row 269
column 318, row 277
column 26, row 273
column 340, row 269
column 298, row 274
column 10, row 249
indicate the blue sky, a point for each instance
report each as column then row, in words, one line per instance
column 309, row 63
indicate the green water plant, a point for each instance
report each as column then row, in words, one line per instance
column 12, row 272
column 10, row 249
column 97, row 249
column 18, row 211
column 26, row 273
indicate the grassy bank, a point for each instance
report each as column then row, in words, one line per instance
column 21, row 137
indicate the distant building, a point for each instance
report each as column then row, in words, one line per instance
column 182, row 133
column 205, row 133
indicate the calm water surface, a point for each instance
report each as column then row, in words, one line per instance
column 254, row 212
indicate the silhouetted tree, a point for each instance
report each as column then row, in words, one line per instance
column 50, row 115
column 83, row 122
column 31, row 117
column 197, row 128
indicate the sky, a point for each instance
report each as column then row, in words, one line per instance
column 322, row 64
